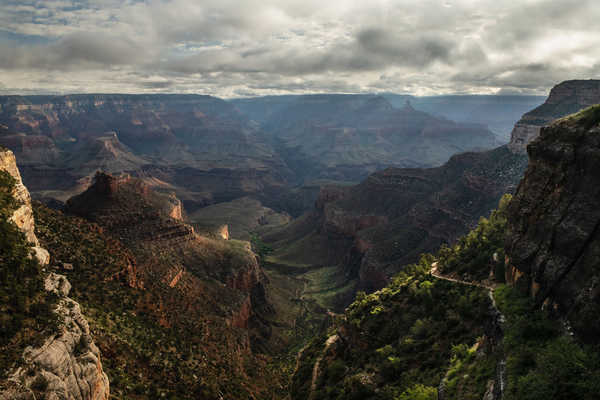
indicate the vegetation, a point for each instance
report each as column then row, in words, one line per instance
column 543, row 363
column 480, row 251
column 142, row 356
column 259, row 247
column 469, row 372
column 588, row 117
column 26, row 315
column 402, row 338
column 402, row 341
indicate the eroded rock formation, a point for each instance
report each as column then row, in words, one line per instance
column 565, row 98
column 67, row 365
column 554, row 223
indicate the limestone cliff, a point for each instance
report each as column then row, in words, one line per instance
column 67, row 364
column 553, row 238
column 23, row 216
column 566, row 98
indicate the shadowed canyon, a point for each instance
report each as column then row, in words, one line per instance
column 319, row 246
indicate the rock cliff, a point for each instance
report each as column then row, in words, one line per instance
column 566, row 98
column 67, row 364
column 23, row 216
column 553, row 239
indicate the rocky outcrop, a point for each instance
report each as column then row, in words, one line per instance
column 566, row 98
column 553, row 239
column 67, row 365
column 23, row 216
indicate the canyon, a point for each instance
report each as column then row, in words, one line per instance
column 272, row 247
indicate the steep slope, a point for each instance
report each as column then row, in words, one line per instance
column 424, row 336
column 47, row 348
column 565, row 98
column 371, row 230
column 208, row 295
column 432, row 333
column 553, row 241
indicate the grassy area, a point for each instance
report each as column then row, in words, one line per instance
column 328, row 286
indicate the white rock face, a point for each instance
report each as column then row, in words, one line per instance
column 67, row 365
column 23, row 216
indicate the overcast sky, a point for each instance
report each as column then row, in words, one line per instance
column 255, row 47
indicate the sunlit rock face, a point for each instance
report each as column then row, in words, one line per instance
column 23, row 216
column 566, row 98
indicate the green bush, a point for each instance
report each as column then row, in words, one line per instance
column 25, row 307
column 543, row 363
column 480, row 251
column 419, row 392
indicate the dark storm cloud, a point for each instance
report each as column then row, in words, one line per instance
column 403, row 49
column 82, row 50
column 370, row 49
column 228, row 47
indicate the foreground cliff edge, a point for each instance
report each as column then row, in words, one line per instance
column 60, row 360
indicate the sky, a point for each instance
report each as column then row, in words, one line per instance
column 261, row 47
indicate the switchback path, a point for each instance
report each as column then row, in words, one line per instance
column 498, row 316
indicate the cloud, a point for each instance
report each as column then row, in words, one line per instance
column 231, row 47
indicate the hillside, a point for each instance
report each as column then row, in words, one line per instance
column 368, row 232
column 432, row 333
column 552, row 239
column 46, row 346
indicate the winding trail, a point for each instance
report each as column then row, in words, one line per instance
column 316, row 369
column 498, row 320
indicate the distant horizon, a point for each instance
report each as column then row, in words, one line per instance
column 57, row 94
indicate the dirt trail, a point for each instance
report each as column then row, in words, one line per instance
column 499, row 317
column 316, row 369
